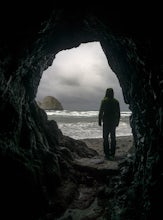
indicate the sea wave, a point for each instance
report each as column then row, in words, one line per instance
column 84, row 124
column 81, row 113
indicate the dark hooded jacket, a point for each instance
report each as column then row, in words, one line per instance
column 109, row 111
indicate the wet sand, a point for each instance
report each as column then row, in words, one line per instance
column 124, row 145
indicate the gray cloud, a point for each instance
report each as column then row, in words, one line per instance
column 79, row 77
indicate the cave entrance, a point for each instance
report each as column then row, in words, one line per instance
column 78, row 79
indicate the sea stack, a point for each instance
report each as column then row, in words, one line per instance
column 50, row 103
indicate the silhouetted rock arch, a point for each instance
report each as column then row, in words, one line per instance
column 31, row 145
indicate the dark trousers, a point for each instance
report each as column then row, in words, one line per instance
column 109, row 139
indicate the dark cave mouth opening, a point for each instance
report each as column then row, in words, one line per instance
column 134, row 81
column 79, row 77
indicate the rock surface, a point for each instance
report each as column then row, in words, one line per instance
column 99, row 181
column 36, row 168
column 50, row 103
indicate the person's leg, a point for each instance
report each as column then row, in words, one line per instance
column 106, row 140
column 113, row 141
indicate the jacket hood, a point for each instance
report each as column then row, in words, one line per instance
column 109, row 93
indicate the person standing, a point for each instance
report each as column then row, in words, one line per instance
column 109, row 115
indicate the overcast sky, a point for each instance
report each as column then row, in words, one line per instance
column 79, row 77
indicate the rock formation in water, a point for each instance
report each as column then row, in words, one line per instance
column 35, row 161
column 50, row 103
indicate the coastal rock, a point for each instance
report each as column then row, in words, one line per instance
column 78, row 148
column 50, row 103
column 33, row 165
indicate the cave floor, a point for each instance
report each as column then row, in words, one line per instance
column 98, row 176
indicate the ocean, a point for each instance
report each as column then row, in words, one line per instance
column 84, row 124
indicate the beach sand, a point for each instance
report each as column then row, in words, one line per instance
column 124, row 146
column 98, row 164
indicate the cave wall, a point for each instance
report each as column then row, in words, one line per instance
column 27, row 147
